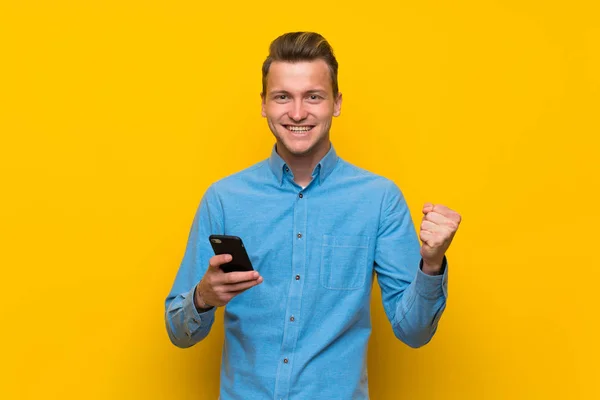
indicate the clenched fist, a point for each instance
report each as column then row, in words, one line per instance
column 438, row 227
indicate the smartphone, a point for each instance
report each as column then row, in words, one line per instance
column 223, row 244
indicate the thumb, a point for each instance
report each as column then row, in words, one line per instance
column 218, row 260
column 428, row 207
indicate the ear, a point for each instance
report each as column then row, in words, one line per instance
column 262, row 105
column 337, row 105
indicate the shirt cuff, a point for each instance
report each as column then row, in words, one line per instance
column 432, row 286
column 194, row 320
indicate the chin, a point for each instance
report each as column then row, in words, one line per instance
column 295, row 146
column 298, row 150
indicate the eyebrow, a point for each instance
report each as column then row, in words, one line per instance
column 313, row 91
column 273, row 92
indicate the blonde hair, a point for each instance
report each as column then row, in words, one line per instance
column 301, row 46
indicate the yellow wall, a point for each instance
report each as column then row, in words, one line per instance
column 115, row 116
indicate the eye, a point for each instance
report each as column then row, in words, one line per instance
column 281, row 97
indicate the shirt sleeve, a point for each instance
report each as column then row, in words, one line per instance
column 185, row 326
column 413, row 301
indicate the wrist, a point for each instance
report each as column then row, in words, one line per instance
column 199, row 302
column 432, row 268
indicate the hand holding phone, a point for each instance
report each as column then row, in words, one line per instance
column 218, row 287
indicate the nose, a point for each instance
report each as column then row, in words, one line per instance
column 297, row 111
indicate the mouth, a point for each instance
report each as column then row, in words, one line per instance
column 299, row 130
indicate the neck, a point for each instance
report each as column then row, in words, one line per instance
column 303, row 165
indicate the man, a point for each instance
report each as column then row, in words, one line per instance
column 317, row 230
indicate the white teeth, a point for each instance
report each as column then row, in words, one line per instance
column 299, row 128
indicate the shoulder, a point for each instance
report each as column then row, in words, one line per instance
column 246, row 176
column 349, row 172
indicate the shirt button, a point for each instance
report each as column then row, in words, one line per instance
column 285, row 360
column 299, row 235
column 292, row 318
column 301, row 195
column 297, row 277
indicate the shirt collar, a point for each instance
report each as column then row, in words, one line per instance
column 323, row 169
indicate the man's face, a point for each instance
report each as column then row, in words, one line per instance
column 299, row 105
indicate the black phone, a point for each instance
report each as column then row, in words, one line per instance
column 223, row 244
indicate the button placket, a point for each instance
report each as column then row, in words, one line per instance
column 294, row 300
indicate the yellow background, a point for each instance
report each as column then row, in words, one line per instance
column 115, row 116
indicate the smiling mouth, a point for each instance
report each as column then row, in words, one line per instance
column 299, row 128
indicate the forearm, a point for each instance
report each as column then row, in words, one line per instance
column 420, row 308
column 185, row 325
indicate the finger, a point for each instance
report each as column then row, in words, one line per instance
column 433, row 240
column 454, row 216
column 218, row 260
column 447, row 212
column 239, row 287
column 227, row 296
column 440, row 220
column 231, row 295
column 440, row 208
column 426, row 237
column 239, row 277
column 430, row 226
column 428, row 207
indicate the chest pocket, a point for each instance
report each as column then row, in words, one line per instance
column 344, row 262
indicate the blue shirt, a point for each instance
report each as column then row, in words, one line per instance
column 303, row 332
